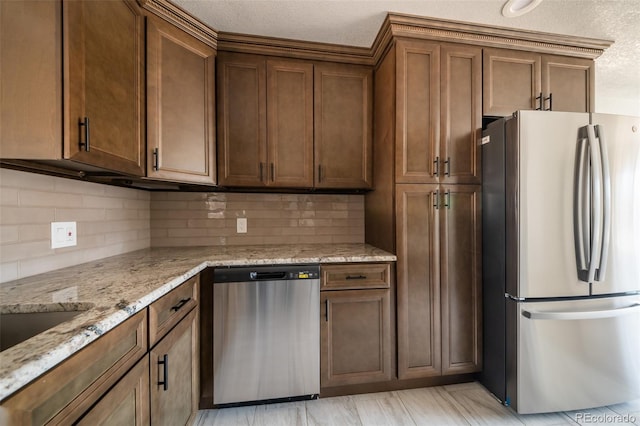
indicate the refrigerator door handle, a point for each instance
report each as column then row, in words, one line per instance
column 606, row 195
column 580, row 208
column 582, row 315
column 597, row 204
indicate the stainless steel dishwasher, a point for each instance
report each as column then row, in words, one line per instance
column 266, row 333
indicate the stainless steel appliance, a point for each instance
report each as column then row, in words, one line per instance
column 561, row 260
column 266, row 333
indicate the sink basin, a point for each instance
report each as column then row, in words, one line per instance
column 18, row 327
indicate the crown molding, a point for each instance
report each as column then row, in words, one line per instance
column 418, row 27
column 272, row 46
column 182, row 19
column 395, row 25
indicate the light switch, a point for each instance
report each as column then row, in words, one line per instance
column 63, row 234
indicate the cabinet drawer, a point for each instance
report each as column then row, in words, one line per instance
column 167, row 311
column 61, row 395
column 355, row 276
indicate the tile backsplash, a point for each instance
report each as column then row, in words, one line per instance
column 110, row 221
column 197, row 219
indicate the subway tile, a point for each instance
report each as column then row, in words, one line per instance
column 120, row 192
column 16, row 179
column 205, row 223
column 9, row 234
column 169, row 205
column 93, row 201
column 8, row 271
column 78, row 215
column 9, row 196
column 169, row 223
column 72, row 186
column 120, row 214
column 30, row 198
column 25, row 215
column 34, row 232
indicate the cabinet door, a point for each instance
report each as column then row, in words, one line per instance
column 343, row 110
column 174, row 374
column 127, row 403
column 511, row 81
column 417, row 111
column 180, row 105
column 104, row 84
column 460, row 277
column 460, row 113
column 242, row 120
column 418, row 286
column 355, row 336
column 31, row 79
column 290, row 123
column 568, row 83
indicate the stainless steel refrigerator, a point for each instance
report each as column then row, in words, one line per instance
column 561, row 260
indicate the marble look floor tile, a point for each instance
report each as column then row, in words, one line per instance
column 284, row 414
column 333, row 411
column 382, row 412
column 430, row 406
column 545, row 419
column 480, row 408
column 240, row 416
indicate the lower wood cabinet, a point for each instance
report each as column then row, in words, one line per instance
column 175, row 374
column 127, row 403
column 355, row 331
column 438, row 290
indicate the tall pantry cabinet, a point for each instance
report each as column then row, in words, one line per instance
column 428, row 116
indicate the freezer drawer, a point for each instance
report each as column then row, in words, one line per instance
column 575, row 355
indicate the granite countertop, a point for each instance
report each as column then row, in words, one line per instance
column 110, row 290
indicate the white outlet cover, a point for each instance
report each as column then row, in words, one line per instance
column 241, row 225
column 63, row 234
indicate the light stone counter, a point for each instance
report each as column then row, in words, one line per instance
column 113, row 289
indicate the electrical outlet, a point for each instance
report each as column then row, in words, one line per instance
column 63, row 234
column 241, row 225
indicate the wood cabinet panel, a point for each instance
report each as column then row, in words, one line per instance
column 290, row 123
column 180, row 105
column 174, row 374
column 460, row 279
column 104, row 82
column 355, row 337
column 242, row 109
column 417, row 111
column 167, row 311
column 569, row 83
column 355, row 276
column 461, row 113
column 511, row 81
column 30, row 77
column 127, row 403
column 418, row 281
column 343, row 111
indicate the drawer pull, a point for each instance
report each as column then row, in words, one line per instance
column 356, row 277
column 181, row 304
column 165, row 367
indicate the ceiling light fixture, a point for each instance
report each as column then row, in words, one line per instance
column 513, row 8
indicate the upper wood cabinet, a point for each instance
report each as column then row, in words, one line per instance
column 439, row 112
column 180, row 105
column 83, row 64
column 343, row 126
column 265, row 116
column 516, row 80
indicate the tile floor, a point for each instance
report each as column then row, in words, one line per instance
column 462, row 404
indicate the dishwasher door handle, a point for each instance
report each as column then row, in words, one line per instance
column 261, row 276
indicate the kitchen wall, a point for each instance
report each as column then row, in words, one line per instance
column 194, row 219
column 110, row 221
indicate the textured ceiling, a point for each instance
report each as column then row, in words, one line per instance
column 356, row 23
